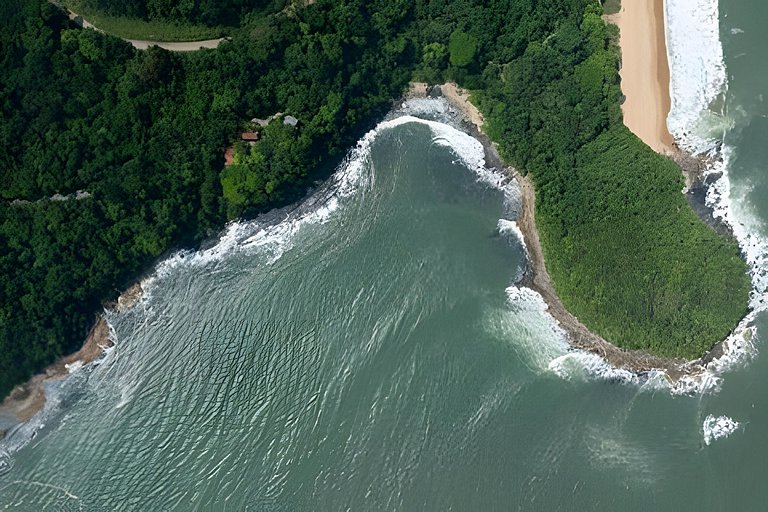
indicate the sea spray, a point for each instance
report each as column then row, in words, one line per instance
column 719, row 427
column 697, row 71
column 698, row 81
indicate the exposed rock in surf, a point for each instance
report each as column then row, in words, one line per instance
column 677, row 371
column 129, row 298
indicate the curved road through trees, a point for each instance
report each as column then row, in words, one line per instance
column 179, row 46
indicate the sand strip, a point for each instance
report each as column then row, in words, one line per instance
column 26, row 400
column 645, row 71
column 177, row 47
column 537, row 278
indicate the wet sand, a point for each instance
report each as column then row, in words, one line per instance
column 645, row 72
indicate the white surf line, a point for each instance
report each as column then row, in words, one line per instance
column 41, row 484
column 697, row 70
column 698, row 79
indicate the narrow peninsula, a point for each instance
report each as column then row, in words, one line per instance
column 113, row 156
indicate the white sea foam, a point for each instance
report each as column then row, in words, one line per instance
column 697, row 71
column 73, row 367
column 698, row 77
column 541, row 339
column 581, row 365
column 610, row 450
column 733, row 208
column 696, row 92
column 552, row 353
column 510, row 227
column 273, row 234
column 697, row 80
column 522, row 295
column 719, row 427
column 547, row 349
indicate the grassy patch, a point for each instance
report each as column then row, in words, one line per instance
column 133, row 28
column 611, row 6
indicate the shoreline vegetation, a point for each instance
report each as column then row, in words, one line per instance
column 536, row 276
column 27, row 399
column 547, row 86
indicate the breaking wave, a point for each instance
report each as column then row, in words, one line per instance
column 700, row 122
column 697, row 72
column 274, row 232
column 719, row 427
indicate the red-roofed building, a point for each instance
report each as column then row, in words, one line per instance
column 250, row 136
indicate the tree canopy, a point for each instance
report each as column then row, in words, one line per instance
column 143, row 134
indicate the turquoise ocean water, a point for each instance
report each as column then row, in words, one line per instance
column 369, row 350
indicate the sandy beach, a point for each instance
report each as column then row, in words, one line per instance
column 536, row 277
column 645, row 71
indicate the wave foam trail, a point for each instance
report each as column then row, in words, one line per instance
column 697, row 71
column 560, row 358
column 583, row 365
column 697, row 80
column 719, row 427
column 445, row 123
column 273, row 233
column 510, row 227
column 542, row 339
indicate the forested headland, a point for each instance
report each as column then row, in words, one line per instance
column 143, row 132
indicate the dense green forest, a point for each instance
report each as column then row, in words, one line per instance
column 205, row 12
column 161, row 20
column 143, row 133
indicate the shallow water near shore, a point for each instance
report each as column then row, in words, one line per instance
column 369, row 350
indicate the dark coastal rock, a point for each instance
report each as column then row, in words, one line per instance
column 711, row 178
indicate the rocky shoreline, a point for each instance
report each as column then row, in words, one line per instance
column 536, row 276
column 26, row 400
column 697, row 182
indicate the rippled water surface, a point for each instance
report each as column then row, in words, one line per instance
column 368, row 350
